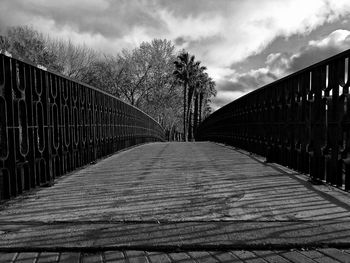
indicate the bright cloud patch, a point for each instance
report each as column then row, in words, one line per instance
column 339, row 39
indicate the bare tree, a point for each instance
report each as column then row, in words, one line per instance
column 27, row 43
column 142, row 77
column 73, row 60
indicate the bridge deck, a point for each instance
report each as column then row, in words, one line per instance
column 164, row 195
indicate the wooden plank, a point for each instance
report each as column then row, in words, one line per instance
column 46, row 257
column 318, row 257
column 225, row 257
column 247, row 256
column 181, row 257
column 202, row 257
column 337, row 254
column 8, row 257
column 28, row 257
column 114, row 257
column 136, row 256
column 69, row 257
column 295, row 256
column 92, row 258
column 270, row 256
column 158, row 257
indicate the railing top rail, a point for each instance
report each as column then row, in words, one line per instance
column 27, row 61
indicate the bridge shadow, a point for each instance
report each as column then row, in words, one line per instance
column 166, row 201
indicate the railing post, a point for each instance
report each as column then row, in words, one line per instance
column 50, row 125
column 301, row 121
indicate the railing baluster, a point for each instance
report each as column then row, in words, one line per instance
column 301, row 121
column 50, row 125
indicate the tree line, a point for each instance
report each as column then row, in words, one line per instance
column 169, row 85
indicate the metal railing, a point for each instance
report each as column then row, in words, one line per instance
column 301, row 121
column 51, row 125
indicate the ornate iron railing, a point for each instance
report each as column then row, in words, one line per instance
column 51, row 125
column 301, row 121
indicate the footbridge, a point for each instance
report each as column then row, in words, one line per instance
column 85, row 177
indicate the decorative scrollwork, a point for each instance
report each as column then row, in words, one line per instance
column 50, row 125
column 301, row 121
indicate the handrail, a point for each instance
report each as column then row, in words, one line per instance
column 301, row 121
column 51, row 124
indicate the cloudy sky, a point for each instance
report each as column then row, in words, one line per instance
column 244, row 44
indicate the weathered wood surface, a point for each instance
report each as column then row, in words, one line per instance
column 178, row 194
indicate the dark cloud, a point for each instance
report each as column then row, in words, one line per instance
column 278, row 65
column 186, row 8
column 247, row 81
column 115, row 19
column 110, row 18
column 315, row 51
column 256, row 79
column 228, row 85
column 179, row 41
column 207, row 42
column 312, row 55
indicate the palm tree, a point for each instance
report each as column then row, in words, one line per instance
column 183, row 70
column 196, row 78
column 198, row 88
column 201, row 83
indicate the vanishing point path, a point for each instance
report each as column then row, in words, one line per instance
column 178, row 202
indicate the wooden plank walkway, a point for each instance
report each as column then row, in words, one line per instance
column 191, row 196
